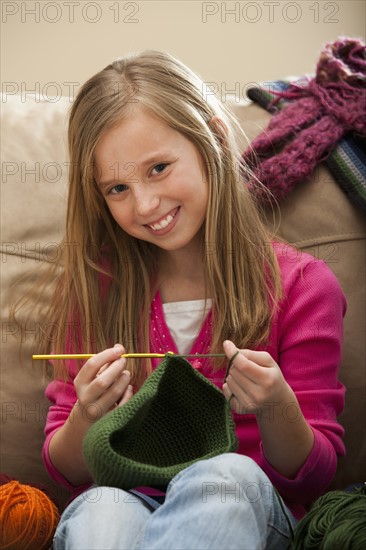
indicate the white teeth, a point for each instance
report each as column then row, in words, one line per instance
column 163, row 224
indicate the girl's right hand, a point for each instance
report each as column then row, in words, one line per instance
column 103, row 383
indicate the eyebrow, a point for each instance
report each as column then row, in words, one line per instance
column 151, row 159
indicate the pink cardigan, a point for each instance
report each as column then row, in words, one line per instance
column 306, row 342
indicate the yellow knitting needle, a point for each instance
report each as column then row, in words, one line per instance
column 88, row 355
column 127, row 355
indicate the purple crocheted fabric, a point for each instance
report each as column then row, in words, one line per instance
column 318, row 114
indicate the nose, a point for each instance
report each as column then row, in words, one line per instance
column 146, row 199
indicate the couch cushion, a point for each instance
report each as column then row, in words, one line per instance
column 33, row 190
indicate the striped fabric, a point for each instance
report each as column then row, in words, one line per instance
column 347, row 161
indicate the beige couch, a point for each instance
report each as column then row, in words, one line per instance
column 317, row 217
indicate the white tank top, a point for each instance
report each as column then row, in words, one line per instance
column 184, row 320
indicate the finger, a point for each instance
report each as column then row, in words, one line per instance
column 112, row 395
column 261, row 358
column 230, row 350
column 239, row 364
column 94, row 365
column 238, row 390
column 226, row 391
column 230, row 396
column 108, row 377
column 127, row 395
column 121, row 384
column 240, row 400
column 251, row 375
column 235, row 404
column 242, row 408
column 237, row 359
column 245, row 368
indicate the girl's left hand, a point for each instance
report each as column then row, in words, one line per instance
column 254, row 382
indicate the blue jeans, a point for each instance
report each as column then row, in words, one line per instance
column 223, row 503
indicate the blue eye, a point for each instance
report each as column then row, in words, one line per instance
column 118, row 189
column 160, row 167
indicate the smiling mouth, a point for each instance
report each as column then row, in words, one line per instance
column 164, row 222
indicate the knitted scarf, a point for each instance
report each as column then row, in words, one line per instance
column 315, row 119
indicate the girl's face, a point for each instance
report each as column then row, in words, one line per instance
column 153, row 180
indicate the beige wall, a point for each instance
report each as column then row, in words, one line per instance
column 48, row 44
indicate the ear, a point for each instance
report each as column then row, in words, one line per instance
column 219, row 128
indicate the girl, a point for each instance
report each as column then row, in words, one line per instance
column 164, row 250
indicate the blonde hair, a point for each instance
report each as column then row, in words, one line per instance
column 240, row 268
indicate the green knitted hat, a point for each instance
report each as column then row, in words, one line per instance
column 176, row 418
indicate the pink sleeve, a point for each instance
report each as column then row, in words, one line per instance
column 61, row 393
column 310, row 332
column 62, row 396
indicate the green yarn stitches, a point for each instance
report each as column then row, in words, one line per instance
column 336, row 521
column 176, row 418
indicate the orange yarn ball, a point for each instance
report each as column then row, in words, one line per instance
column 28, row 518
